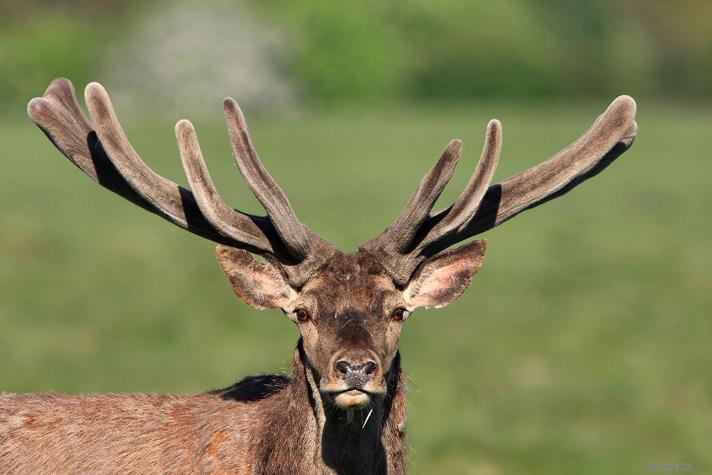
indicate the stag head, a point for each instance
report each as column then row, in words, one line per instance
column 349, row 308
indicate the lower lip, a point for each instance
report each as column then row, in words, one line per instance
column 352, row 399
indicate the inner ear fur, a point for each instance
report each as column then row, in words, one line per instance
column 443, row 278
column 260, row 284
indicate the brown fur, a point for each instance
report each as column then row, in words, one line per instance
column 266, row 425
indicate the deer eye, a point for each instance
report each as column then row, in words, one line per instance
column 302, row 314
column 400, row 314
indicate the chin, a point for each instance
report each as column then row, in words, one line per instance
column 354, row 399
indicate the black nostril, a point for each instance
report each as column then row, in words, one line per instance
column 346, row 369
column 370, row 367
column 342, row 367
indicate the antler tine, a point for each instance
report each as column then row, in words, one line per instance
column 62, row 92
column 468, row 202
column 225, row 219
column 398, row 238
column 60, row 118
column 162, row 193
column 293, row 233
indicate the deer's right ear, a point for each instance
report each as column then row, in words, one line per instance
column 259, row 284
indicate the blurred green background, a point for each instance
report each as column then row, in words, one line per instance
column 583, row 345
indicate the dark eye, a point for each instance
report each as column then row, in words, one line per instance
column 400, row 314
column 301, row 314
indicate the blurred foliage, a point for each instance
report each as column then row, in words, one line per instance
column 47, row 47
column 341, row 50
column 513, row 48
column 471, row 49
column 453, row 49
column 584, row 345
column 680, row 34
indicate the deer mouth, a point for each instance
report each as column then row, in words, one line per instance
column 354, row 398
column 352, row 392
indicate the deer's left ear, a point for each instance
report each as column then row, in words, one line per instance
column 259, row 284
column 443, row 278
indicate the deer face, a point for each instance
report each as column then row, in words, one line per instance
column 351, row 313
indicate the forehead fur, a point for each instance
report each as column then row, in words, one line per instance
column 350, row 275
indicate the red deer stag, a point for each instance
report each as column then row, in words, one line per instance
column 343, row 407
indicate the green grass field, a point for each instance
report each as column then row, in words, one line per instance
column 584, row 345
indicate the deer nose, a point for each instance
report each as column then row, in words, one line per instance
column 355, row 372
column 343, row 367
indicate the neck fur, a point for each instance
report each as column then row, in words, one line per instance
column 365, row 440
